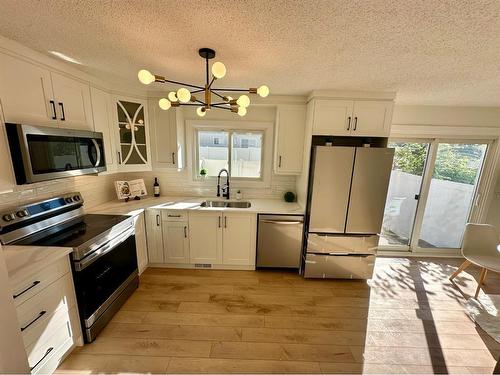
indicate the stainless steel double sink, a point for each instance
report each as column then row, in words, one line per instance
column 227, row 204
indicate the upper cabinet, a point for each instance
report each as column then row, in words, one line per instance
column 352, row 117
column 102, row 111
column 289, row 141
column 26, row 92
column 73, row 104
column 131, row 128
column 167, row 134
column 33, row 95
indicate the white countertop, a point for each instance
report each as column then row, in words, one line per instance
column 26, row 260
column 271, row 206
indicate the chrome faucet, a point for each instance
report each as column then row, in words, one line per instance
column 224, row 188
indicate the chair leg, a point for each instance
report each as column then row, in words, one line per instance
column 482, row 276
column 460, row 269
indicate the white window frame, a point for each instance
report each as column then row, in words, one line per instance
column 267, row 130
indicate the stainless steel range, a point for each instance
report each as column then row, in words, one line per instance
column 104, row 254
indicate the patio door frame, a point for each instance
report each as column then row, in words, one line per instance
column 482, row 193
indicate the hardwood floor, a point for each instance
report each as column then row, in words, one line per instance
column 408, row 319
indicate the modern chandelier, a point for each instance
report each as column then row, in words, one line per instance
column 186, row 97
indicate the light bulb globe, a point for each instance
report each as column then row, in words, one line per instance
column 243, row 101
column 164, row 104
column 218, row 69
column 184, row 95
column 145, row 77
column 172, row 96
column 242, row 111
column 263, row 91
column 201, row 111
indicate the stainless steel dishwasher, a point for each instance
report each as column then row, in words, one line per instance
column 279, row 241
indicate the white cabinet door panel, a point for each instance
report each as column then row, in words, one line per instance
column 73, row 102
column 205, row 237
column 290, row 127
column 25, row 92
column 175, row 241
column 102, row 115
column 154, row 236
column 141, row 242
column 332, row 117
column 239, row 238
column 163, row 131
column 372, row 118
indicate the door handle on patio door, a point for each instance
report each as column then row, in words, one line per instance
column 417, row 197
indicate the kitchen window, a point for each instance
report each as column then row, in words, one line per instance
column 240, row 152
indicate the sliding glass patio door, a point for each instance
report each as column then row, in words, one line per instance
column 433, row 188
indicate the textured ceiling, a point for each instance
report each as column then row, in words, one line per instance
column 429, row 52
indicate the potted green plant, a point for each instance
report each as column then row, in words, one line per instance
column 203, row 173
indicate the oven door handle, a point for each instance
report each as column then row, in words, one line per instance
column 103, row 250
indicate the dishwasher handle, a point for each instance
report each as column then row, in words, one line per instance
column 284, row 222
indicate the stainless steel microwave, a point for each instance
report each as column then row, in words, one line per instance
column 42, row 153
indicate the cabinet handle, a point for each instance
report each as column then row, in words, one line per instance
column 173, row 215
column 54, row 114
column 63, row 116
column 279, row 162
column 119, row 157
column 173, row 157
column 35, row 283
column 355, row 123
column 225, row 221
column 157, row 220
column 219, row 222
column 185, row 232
column 349, row 123
column 41, row 359
column 40, row 314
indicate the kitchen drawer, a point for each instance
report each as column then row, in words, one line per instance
column 334, row 244
column 36, row 314
column 49, row 343
column 25, row 288
column 174, row 215
column 339, row 266
column 52, row 361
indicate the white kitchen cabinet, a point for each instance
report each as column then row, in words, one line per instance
column 102, row 112
column 238, row 238
column 26, row 92
column 154, row 235
column 166, row 129
column 332, row 117
column 131, row 127
column 352, row 117
column 372, row 118
column 141, row 242
column 289, row 141
column 205, row 237
column 73, row 102
column 176, row 242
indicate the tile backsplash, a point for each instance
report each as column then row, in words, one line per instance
column 95, row 190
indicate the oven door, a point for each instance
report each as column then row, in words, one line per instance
column 101, row 277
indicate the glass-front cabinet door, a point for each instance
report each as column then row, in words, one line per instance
column 133, row 138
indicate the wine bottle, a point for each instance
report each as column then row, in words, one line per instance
column 156, row 188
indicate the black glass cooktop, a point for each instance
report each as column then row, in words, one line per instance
column 75, row 233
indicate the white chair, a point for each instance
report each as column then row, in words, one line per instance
column 481, row 246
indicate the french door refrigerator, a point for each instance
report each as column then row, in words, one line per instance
column 347, row 193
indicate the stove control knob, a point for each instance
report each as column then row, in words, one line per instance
column 22, row 213
column 68, row 200
column 8, row 217
column 76, row 198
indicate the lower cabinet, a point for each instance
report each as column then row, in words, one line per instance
column 176, row 244
column 154, row 235
column 141, row 242
column 226, row 238
column 205, row 237
column 238, row 238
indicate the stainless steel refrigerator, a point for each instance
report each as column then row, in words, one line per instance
column 347, row 193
